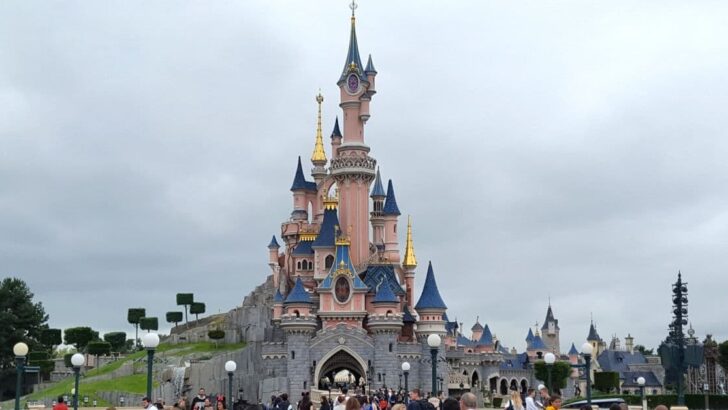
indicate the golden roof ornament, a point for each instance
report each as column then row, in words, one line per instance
column 319, row 155
column 410, row 261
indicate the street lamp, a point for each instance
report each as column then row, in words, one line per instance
column 20, row 350
column 433, row 341
column 230, row 367
column 150, row 342
column 641, row 382
column 405, row 371
column 77, row 361
column 121, row 401
column 586, row 350
column 550, row 359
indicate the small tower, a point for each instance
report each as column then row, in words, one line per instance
column 376, row 215
column 299, row 324
column 629, row 343
column 538, row 348
column 409, row 264
column 277, row 306
column 318, row 157
column 595, row 340
column 529, row 339
column 324, row 246
column 301, row 190
column 336, row 139
column 273, row 260
column 391, row 216
column 430, row 308
column 550, row 331
column 477, row 330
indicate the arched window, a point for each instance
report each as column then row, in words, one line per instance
column 310, row 265
column 329, row 262
column 293, row 354
column 297, row 313
column 298, row 265
column 390, row 347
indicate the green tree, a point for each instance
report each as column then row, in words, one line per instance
column 80, row 337
column 149, row 323
column 216, row 335
column 43, row 360
column 723, row 355
column 605, row 382
column 117, row 340
column 186, row 300
column 98, row 348
column 645, row 351
column 560, row 371
column 174, row 317
column 133, row 316
column 197, row 308
column 50, row 338
column 22, row 320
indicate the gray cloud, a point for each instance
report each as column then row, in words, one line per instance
column 567, row 150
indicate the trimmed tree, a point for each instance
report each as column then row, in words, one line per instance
column 50, row 338
column 117, row 340
column 216, row 335
column 606, row 381
column 149, row 323
column 80, row 336
column 43, row 360
column 197, row 308
column 99, row 348
column 560, row 371
column 186, row 300
column 133, row 316
column 174, row 317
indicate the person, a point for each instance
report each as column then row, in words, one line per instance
column 159, row 403
column 220, row 405
column 284, row 404
column 61, row 405
column 468, row 401
column 352, row 404
column 198, row 402
column 450, row 404
column 543, row 398
column 305, row 403
column 399, row 406
column 340, row 402
column 208, row 404
column 615, row 406
column 514, row 403
column 530, row 399
column 147, row 404
column 554, row 402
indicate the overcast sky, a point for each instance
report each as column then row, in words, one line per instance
column 575, row 150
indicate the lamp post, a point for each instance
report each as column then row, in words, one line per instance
column 150, row 342
column 641, row 382
column 230, row 367
column 405, row 371
column 550, row 359
column 121, row 401
column 586, row 350
column 433, row 341
column 20, row 350
column 77, row 361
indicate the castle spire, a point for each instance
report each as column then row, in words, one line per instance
column 353, row 60
column 390, row 205
column 318, row 158
column 410, row 261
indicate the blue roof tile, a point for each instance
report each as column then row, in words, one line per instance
column 549, row 318
column 352, row 56
column 303, row 249
column 342, row 262
column 278, row 298
column 593, row 335
column 464, row 341
column 630, row 379
column 408, row 317
column 298, row 294
column 299, row 181
column 538, row 343
column 529, row 336
column 273, row 243
column 384, row 294
column 619, row 361
column 430, row 297
column 327, row 234
column 378, row 190
column 487, row 338
column 336, row 132
column 573, row 350
column 375, row 274
column 390, row 204
column 370, row 66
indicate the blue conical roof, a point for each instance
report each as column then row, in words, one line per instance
column 593, row 335
column 408, row 316
column 336, row 132
column 378, row 189
column 538, row 343
column 487, row 337
column 273, row 243
column 299, row 181
column 573, row 350
column 352, row 56
column 549, row 318
column 298, row 294
column 327, row 234
column 529, row 336
column 430, row 298
column 390, row 205
column 278, row 298
column 370, row 66
column 343, row 264
column 385, row 294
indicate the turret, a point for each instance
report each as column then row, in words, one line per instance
column 391, row 215
column 477, row 330
column 376, row 216
column 336, row 139
column 273, row 252
column 277, row 306
column 324, row 246
column 430, row 307
column 629, row 343
column 318, row 157
column 529, row 338
column 550, row 331
column 298, row 303
column 537, row 348
column 370, row 72
column 594, row 339
column 301, row 188
column 409, row 264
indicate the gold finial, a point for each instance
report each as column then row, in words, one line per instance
column 342, row 239
column 331, row 202
column 319, row 155
column 410, row 261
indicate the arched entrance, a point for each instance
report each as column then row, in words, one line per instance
column 475, row 380
column 341, row 368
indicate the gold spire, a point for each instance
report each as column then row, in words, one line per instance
column 410, row 261
column 319, row 155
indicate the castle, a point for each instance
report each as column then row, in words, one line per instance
column 344, row 294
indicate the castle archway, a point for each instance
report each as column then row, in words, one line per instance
column 337, row 363
column 475, row 380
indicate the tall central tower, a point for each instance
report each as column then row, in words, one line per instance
column 352, row 167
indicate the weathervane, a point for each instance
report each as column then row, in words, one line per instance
column 353, row 7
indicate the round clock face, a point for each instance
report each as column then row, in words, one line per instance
column 353, row 83
column 342, row 289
